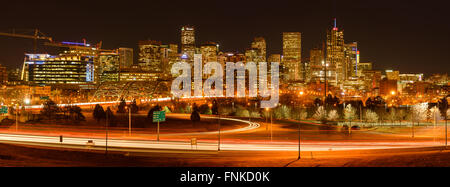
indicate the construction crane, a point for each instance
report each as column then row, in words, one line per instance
column 37, row 35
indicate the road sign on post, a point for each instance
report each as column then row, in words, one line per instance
column 4, row 110
column 159, row 116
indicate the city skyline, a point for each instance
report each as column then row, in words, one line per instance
column 251, row 84
column 238, row 39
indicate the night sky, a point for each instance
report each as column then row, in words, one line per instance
column 411, row 36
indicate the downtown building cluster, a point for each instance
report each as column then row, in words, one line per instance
column 333, row 68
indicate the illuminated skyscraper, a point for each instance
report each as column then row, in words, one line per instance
column 150, row 55
column 107, row 66
column 392, row 75
column 316, row 64
column 74, row 65
column 188, row 42
column 126, row 57
column 335, row 55
column 274, row 58
column 61, row 69
column 292, row 55
column 351, row 59
column 3, row 74
column 209, row 52
column 259, row 45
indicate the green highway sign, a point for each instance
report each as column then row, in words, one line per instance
column 159, row 116
column 44, row 98
column 4, row 110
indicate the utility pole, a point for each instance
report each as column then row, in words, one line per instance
column 446, row 131
column 17, row 117
column 299, row 141
column 106, row 125
column 157, row 136
column 271, row 127
column 218, row 146
column 129, row 121
column 216, row 103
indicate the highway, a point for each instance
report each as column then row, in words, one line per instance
column 132, row 145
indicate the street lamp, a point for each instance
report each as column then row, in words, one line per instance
column 393, row 93
column 271, row 125
column 129, row 120
column 267, row 112
column 17, row 116
column 106, row 126
column 299, row 141
column 27, row 101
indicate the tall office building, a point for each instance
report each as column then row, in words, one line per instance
column 188, row 43
column 363, row 66
column 351, row 59
column 393, row 75
column 3, row 74
column 150, row 56
column 14, row 76
column 259, row 45
column 209, row 52
column 316, row 64
column 62, row 69
column 107, row 66
column 74, row 65
column 274, row 58
column 126, row 57
column 335, row 55
column 292, row 55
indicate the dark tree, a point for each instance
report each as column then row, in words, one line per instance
column 134, row 107
column 215, row 108
column 204, row 109
column 150, row 112
column 50, row 109
column 195, row 116
column 111, row 119
column 329, row 100
column 99, row 113
column 369, row 103
column 195, row 107
column 75, row 113
column 318, row 102
column 121, row 107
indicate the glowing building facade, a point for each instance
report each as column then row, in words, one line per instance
column 292, row 55
column 259, row 47
column 188, row 42
column 63, row 69
column 351, row 60
column 316, row 64
column 3, row 74
column 335, row 55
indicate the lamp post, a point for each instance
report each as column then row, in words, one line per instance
column 271, row 126
column 267, row 126
column 106, row 126
column 267, row 112
column 17, row 116
column 218, row 144
column 129, row 120
column 299, row 141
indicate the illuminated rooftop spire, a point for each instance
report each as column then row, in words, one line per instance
column 335, row 25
